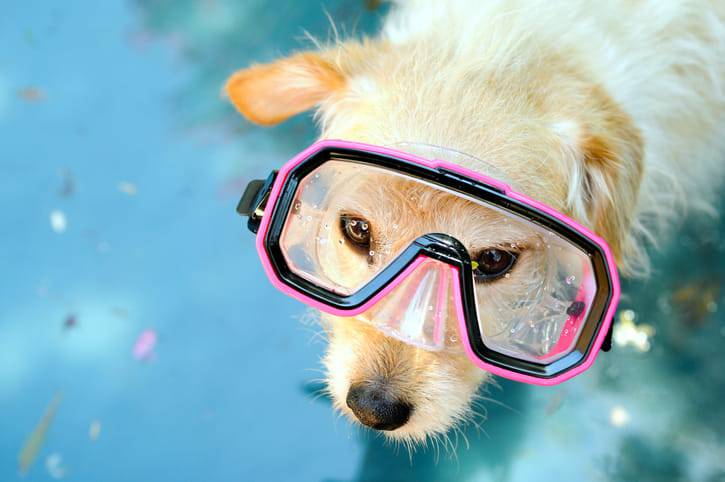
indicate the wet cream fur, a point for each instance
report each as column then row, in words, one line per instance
column 612, row 112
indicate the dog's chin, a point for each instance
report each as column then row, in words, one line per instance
column 435, row 390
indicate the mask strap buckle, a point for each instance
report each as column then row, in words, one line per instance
column 254, row 200
column 607, row 343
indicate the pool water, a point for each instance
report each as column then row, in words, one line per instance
column 133, row 306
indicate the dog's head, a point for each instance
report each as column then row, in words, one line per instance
column 556, row 136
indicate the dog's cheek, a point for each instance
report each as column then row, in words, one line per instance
column 446, row 388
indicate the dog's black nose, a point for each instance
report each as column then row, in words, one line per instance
column 376, row 408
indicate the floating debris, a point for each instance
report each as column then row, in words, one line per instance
column 119, row 312
column 31, row 94
column 619, row 417
column 128, row 188
column 29, row 37
column 627, row 332
column 34, row 443
column 695, row 302
column 373, row 5
column 68, row 185
column 143, row 349
column 58, row 221
column 54, row 466
column 70, row 322
column 94, row 430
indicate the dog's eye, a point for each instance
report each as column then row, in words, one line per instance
column 356, row 230
column 491, row 264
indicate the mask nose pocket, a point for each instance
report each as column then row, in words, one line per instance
column 419, row 307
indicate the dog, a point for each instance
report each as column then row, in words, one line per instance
column 610, row 112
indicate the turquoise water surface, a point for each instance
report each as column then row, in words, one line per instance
column 120, row 167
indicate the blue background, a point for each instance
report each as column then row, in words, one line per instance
column 94, row 94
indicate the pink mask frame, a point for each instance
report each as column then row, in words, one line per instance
column 263, row 204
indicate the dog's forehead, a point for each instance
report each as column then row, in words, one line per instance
column 418, row 206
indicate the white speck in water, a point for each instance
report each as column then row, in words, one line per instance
column 627, row 332
column 507, row 275
column 58, row 221
column 513, row 330
column 128, row 188
column 371, row 253
column 570, row 279
column 54, row 466
column 94, row 431
column 297, row 206
column 619, row 417
column 453, row 338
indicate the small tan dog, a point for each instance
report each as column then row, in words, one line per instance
column 611, row 112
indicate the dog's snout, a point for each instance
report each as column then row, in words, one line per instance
column 376, row 407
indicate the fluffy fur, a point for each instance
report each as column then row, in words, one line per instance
column 612, row 112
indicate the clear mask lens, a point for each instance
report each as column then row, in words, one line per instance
column 534, row 311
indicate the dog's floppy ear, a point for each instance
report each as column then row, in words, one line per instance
column 605, row 181
column 269, row 94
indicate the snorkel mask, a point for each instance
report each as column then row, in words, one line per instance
column 529, row 294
